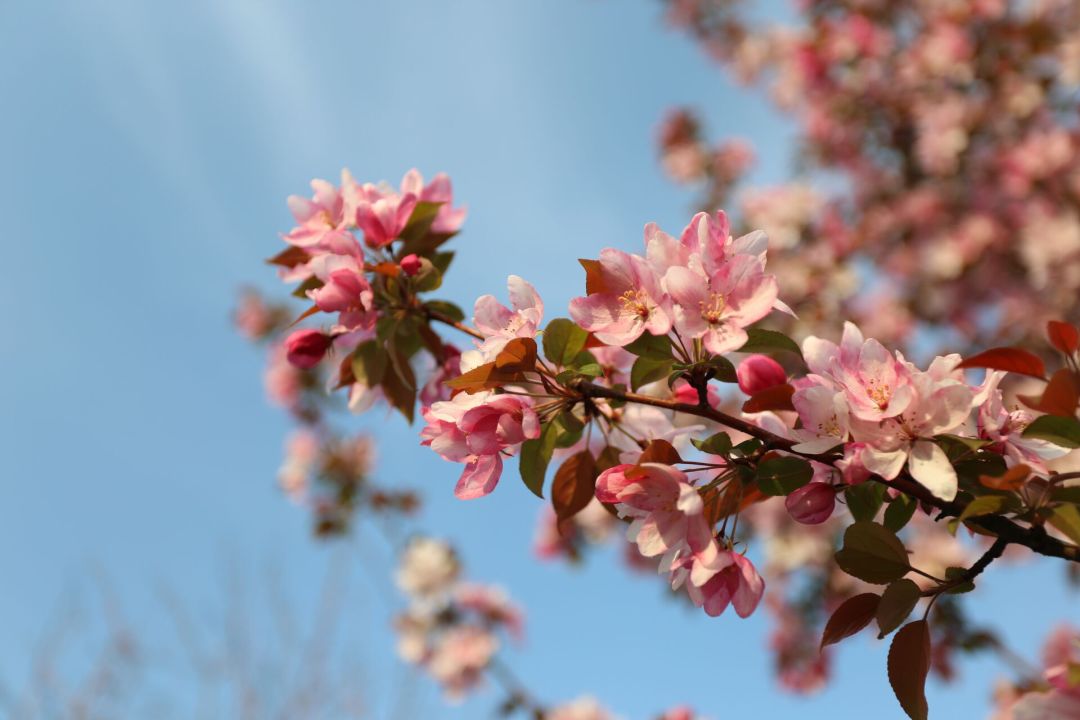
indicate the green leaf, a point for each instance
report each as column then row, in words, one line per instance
column 718, row 444
column 399, row 384
column 899, row 512
column 865, row 499
column 722, row 369
column 369, row 363
column 584, row 363
column 311, row 283
column 647, row 370
column 655, row 347
column 570, row 428
column 563, row 340
column 448, row 309
column 1066, row 518
column 748, row 447
column 429, row 278
column 1064, row 432
column 769, row 342
column 872, row 553
column 534, row 459
column 952, row 574
column 420, row 221
column 897, row 602
column 853, row 615
column 909, row 664
column 987, row 505
column 782, row 475
column 442, row 260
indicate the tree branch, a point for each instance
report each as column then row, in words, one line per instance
column 1033, row 538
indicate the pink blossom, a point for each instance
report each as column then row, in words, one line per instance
column 500, row 324
column 478, row 430
column 719, row 307
column 322, row 219
column 410, row 264
column 282, row 379
column 306, row 348
column 723, row 577
column 629, row 303
column 585, row 708
column 347, row 292
column 448, row 220
column 448, row 368
column 383, row 215
column 460, row 656
column 666, row 509
column 812, row 504
column 1005, row 428
column 492, row 604
column 759, row 372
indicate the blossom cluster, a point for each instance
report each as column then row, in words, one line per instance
column 451, row 628
column 952, row 129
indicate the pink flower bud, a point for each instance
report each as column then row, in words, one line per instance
column 306, row 348
column 811, row 504
column 759, row 372
column 410, row 264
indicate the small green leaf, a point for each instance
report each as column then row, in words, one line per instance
column 369, row 363
column 647, row 370
column 987, row 505
column 1061, row 431
column 584, row 363
column 897, row 602
column 899, row 512
column 722, row 369
column 718, row 444
column 769, row 342
column 563, row 340
column 655, row 347
column 864, row 500
column 534, row 459
column 782, row 475
column 446, row 308
column 872, row 553
column 1066, row 518
column 748, row 447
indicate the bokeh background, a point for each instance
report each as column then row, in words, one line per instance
column 146, row 150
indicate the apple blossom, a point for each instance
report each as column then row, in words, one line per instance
column 759, row 372
column 811, row 504
column 500, row 324
column 628, row 302
column 306, row 348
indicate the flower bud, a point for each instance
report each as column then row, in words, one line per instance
column 759, row 372
column 410, row 264
column 811, row 504
column 306, row 348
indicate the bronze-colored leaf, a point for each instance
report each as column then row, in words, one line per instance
column 519, row 355
column 1013, row 479
column 1012, row 360
column 853, row 615
column 574, row 485
column 594, row 277
column 777, row 397
column 660, row 451
column 909, row 663
column 1063, row 336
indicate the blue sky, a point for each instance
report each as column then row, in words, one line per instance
column 147, row 151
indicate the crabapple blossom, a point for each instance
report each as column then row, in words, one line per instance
column 759, row 372
column 811, row 504
column 478, row 430
column 666, row 510
column 428, row 568
column 347, row 292
column 448, row 220
column 584, row 708
column 500, row 324
column 628, row 302
column 382, row 216
column 460, row 656
column 306, row 348
column 723, row 577
column 410, row 264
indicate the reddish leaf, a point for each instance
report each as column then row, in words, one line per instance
column 909, row 663
column 1061, row 396
column 777, row 397
column 853, row 615
column 594, row 277
column 305, row 315
column 388, row 269
column 1012, row 360
column 519, row 355
column 1063, row 336
column 660, row 451
column 1013, row 478
column 593, row 342
column 485, row 377
column 574, row 485
column 735, row 498
column 290, row 257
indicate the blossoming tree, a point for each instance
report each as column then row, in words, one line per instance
column 665, row 403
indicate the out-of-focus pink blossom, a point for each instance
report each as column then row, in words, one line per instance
column 410, row 264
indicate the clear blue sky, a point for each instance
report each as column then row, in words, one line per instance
column 147, row 149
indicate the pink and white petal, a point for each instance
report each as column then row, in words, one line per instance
column 479, row 478
column 931, row 467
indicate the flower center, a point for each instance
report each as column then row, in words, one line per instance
column 712, row 310
column 879, row 392
column 635, row 302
